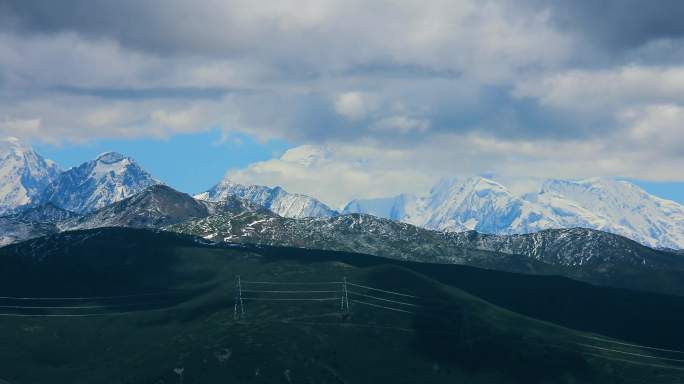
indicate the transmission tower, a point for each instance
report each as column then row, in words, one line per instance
column 344, row 304
column 239, row 309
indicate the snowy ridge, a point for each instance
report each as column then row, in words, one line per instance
column 486, row 206
column 453, row 205
column 109, row 178
column 276, row 199
column 32, row 222
column 583, row 254
column 575, row 247
column 23, row 174
column 617, row 207
column 456, row 205
column 155, row 207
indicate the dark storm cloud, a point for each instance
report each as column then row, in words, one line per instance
column 138, row 22
column 618, row 24
column 154, row 26
column 168, row 26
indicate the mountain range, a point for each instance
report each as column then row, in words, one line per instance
column 114, row 191
column 158, row 206
column 582, row 254
column 484, row 205
column 29, row 180
column 91, row 190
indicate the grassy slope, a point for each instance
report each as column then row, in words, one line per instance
column 467, row 340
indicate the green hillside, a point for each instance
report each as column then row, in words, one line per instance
column 130, row 306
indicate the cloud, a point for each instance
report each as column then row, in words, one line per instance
column 618, row 25
column 19, row 127
column 188, row 93
column 606, row 89
column 401, row 124
column 429, row 62
column 348, row 172
column 433, row 88
column 662, row 125
column 336, row 175
column 354, row 105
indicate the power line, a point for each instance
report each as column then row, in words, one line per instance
column 633, row 362
column 295, row 291
column 379, row 298
column 344, row 299
column 423, row 307
column 81, row 314
column 291, row 283
column 381, row 306
column 89, row 298
column 631, row 353
column 385, row 291
column 290, row 299
column 73, row 307
column 607, row 357
column 632, row 345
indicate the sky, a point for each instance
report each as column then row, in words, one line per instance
column 191, row 162
column 346, row 99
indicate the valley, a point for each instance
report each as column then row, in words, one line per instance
column 464, row 316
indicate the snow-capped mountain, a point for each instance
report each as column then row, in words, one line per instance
column 617, row 207
column 489, row 207
column 276, row 199
column 454, row 205
column 23, row 174
column 109, row 178
column 393, row 208
column 155, row 207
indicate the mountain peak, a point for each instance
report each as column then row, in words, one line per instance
column 470, row 182
column 276, row 199
column 110, row 157
column 94, row 184
column 15, row 146
column 23, row 174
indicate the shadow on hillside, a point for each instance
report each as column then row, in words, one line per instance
column 449, row 331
